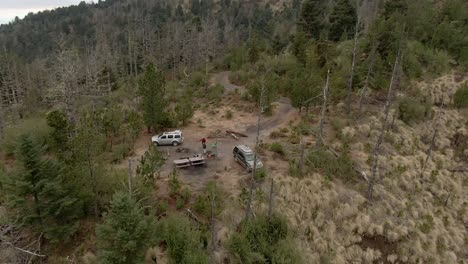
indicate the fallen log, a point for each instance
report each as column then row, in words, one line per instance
column 236, row 133
column 234, row 136
column 459, row 170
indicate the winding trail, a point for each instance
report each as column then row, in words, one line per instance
column 282, row 113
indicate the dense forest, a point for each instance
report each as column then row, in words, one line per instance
column 368, row 169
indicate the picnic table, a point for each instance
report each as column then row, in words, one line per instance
column 197, row 160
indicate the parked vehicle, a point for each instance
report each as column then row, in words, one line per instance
column 173, row 138
column 245, row 157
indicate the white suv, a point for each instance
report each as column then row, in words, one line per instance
column 173, row 138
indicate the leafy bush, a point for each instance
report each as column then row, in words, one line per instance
column 202, row 204
column 174, row 183
column 260, row 175
column 185, row 242
column 236, row 58
column 198, row 79
column 229, row 114
column 35, row 127
column 422, row 59
column 215, row 92
column 239, row 77
column 341, row 166
column 278, row 148
column 411, row 110
column 162, row 207
column 179, row 203
column 120, row 152
column 263, row 240
column 461, row 97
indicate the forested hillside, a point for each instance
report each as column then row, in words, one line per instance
column 357, row 109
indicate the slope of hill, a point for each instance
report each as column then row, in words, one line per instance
column 358, row 114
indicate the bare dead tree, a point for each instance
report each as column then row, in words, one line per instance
column 212, row 224
column 324, row 109
column 130, row 176
column 67, row 70
column 385, row 124
column 370, row 69
column 248, row 209
column 353, row 64
column 270, row 203
column 301, row 158
column 435, row 128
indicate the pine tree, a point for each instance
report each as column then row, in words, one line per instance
column 299, row 47
column 342, row 20
column 40, row 194
column 152, row 91
column 184, row 110
column 311, row 19
column 253, row 49
column 59, row 137
column 151, row 162
column 126, row 232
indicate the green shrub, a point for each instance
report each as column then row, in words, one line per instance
column 174, row 183
column 411, row 110
column 229, row 114
column 36, row 127
column 161, row 207
column 120, row 152
column 461, row 97
column 263, row 240
column 179, row 203
column 239, row 77
column 215, row 92
column 186, row 194
column 198, row 79
column 260, row 174
column 203, row 202
column 422, row 59
column 331, row 165
column 185, row 241
column 278, row 148
column 236, row 58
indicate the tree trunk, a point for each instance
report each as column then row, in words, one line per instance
column 130, row 176
column 270, row 203
column 388, row 104
column 353, row 63
column 254, row 171
column 366, row 82
column 324, row 108
column 212, row 225
column 431, row 146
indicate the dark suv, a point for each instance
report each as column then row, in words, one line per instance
column 245, row 157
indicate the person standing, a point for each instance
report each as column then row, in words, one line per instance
column 203, row 141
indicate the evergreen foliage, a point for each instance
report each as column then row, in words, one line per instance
column 411, row 110
column 153, row 103
column 342, row 20
column 312, row 17
column 186, row 244
column 461, row 97
column 126, row 232
column 39, row 191
column 150, row 163
column 184, row 109
column 264, row 240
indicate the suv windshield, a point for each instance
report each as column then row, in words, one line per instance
column 249, row 157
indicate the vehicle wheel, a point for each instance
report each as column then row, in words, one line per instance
column 156, row 143
column 175, row 143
